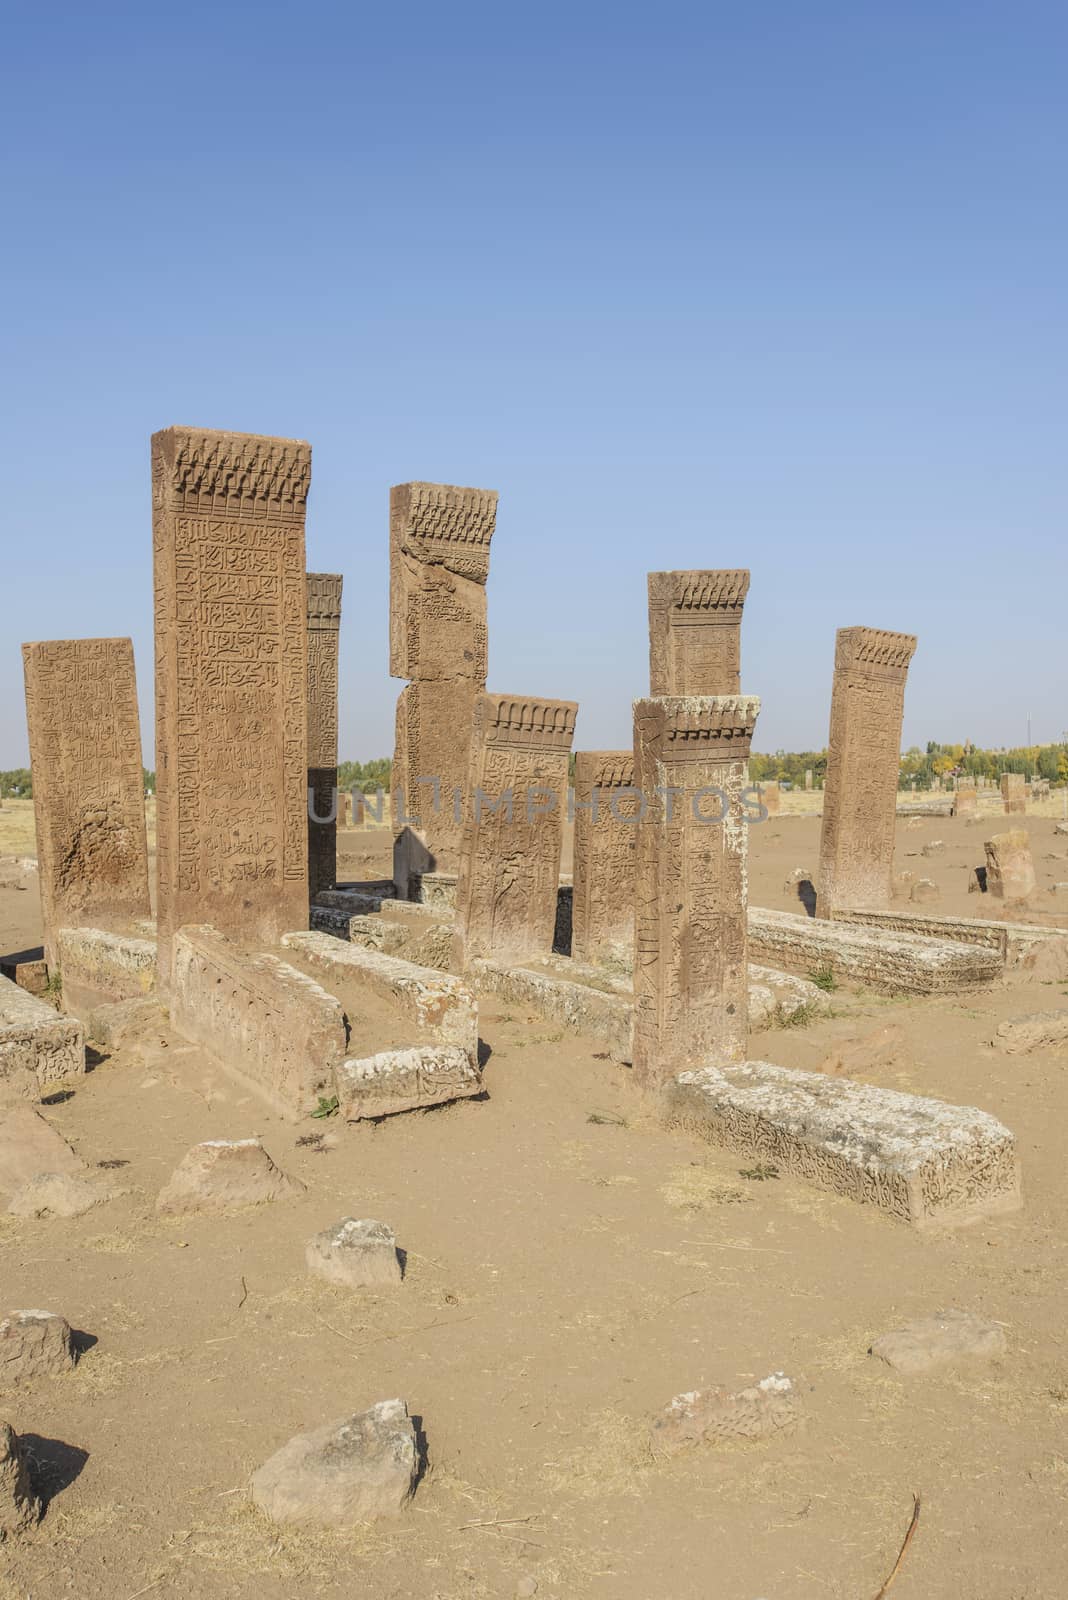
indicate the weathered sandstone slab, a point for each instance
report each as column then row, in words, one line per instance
column 355, row 1253
column 888, row 962
column 920, row 1161
column 271, row 1026
column 97, row 965
column 37, row 1046
column 224, row 1175
column 357, row 1469
column 34, row 1344
column 405, row 1080
column 1041, row 1030
column 940, row 1341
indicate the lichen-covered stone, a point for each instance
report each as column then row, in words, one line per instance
column 356, row 1253
column 888, row 962
column 921, row 1161
column 357, row 1469
column 404, row 1080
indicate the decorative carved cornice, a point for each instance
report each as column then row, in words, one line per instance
column 324, row 599
column 203, row 467
column 873, row 647
column 700, row 591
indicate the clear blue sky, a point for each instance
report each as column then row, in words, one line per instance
column 778, row 285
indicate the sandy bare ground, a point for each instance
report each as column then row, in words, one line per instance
column 566, row 1277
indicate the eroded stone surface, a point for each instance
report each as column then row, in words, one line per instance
column 606, row 836
column 863, row 758
column 357, row 1469
column 275, row 1028
column 889, row 962
column 442, row 1007
column 940, row 1341
column 921, row 1161
column 231, row 683
column 37, row 1046
column 88, row 782
column 509, row 874
column 404, row 1080
column 222, row 1175
column 716, row 1415
column 119, row 1021
column 1010, row 868
column 691, row 962
column 439, row 555
column 356, row 1253
column 695, row 628
column 34, row 1344
column 98, row 966
column 19, row 1506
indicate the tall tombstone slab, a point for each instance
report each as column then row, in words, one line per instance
column 513, row 831
column 863, row 762
column 1013, row 793
column 966, row 801
column 606, row 804
column 324, row 624
column 439, row 551
column 88, row 783
column 691, row 999
column 231, row 684
column 695, row 632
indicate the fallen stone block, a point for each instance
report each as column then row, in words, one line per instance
column 1040, row 1030
column 442, row 1008
column 96, row 966
column 357, row 1469
column 1013, row 942
column 934, row 847
column 34, row 1344
column 920, row 1161
column 606, row 1011
column 433, row 889
column 882, row 1047
column 355, row 1254
column 885, row 961
column 777, row 996
column 939, row 1341
column 275, row 1029
column 351, row 902
column 20, row 1508
column 118, row 1022
column 1046, row 962
column 38, row 1047
column 29, row 1145
column 925, row 892
column 404, row 1080
column 59, row 1194
column 28, row 969
column 223, row 1175
column 715, row 1416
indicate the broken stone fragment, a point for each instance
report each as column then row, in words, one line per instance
column 19, row 1506
column 706, row 1416
column 58, row 1194
column 29, row 1145
column 356, row 1469
column 939, row 1341
column 934, row 847
column 925, row 892
column 222, row 1175
column 34, row 1344
column 1047, row 962
column 1010, row 870
column 355, row 1253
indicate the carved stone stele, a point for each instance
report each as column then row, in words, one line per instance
column 863, row 761
column 516, row 801
column 695, row 627
column 231, row 683
column 439, row 550
column 690, row 947
column 88, row 783
column 606, row 844
column 324, row 624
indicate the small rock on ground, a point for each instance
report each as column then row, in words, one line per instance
column 939, row 1341
column 1032, row 1032
column 19, row 1506
column 355, row 1253
column 714, row 1415
column 34, row 1344
column 222, row 1175
column 357, row 1469
column 925, row 892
